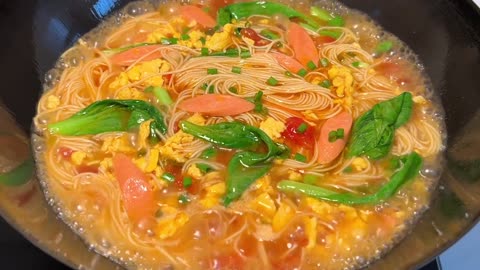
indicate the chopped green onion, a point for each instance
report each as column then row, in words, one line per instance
column 212, row 71
column 170, row 178
column 302, row 127
column 336, row 135
column 326, row 84
column 324, row 62
column 187, row 182
column 204, row 51
column 348, row 169
column 330, row 33
column 204, row 86
column 185, row 37
column 233, row 90
column 300, row 157
column 340, row 133
column 384, row 47
column 311, row 65
column 169, row 41
column 233, row 53
column 310, row 179
column 257, row 100
column 237, row 70
column 359, row 64
column 337, row 21
column 183, row 199
column 203, row 40
column 204, row 168
column 288, row 74
column 302, row 72
column 272, row 81
column 322, row 14
column 209, row 153
column 211, row 89
column 269, row 34
column 162, row 95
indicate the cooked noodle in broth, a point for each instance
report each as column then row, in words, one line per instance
column 271, row 137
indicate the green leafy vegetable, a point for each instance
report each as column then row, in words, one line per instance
column 411, row 165
column 322, row 14
column 109, row 115
column 247, row 9
column 373, row 132
column 337, row 21
column 161, row 94
column 359, row 64
column 18, row 175
column 227, row 134
column 330, row 33
column 209, row 153
column 111, row 52
column 269, row 34
column 245, row 166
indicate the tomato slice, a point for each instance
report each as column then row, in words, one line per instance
column 299, row 137
column 251, row 34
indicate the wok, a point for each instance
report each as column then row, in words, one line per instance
column 444, row 33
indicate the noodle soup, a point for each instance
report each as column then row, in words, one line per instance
column 248, row 135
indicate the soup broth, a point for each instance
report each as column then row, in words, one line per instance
column 251, row 135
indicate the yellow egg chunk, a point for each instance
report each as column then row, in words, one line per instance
column 78, row 157
column 221, row 40
column 52, row 102
column 272, row 128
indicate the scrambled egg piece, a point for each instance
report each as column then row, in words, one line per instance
column 117, row 144
column 194, row 171
column 342, row 81
column 147, row 72
column 221, row 40
column 419, row 100
column 52, row 102
column 263, row 185
column 311, row 231
column 168, row 226
column 143, row 134
column 174, row 146
column 264, row 204
column 78, row 157
column 148, row 163
column 194, row 40
column 130, row 93
column 294, row 175
column 310, row 115
column 272, row 127
column 106, row 164
column 319, row 207
column 213, row 194
column 359, row 164
column 283, row 216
